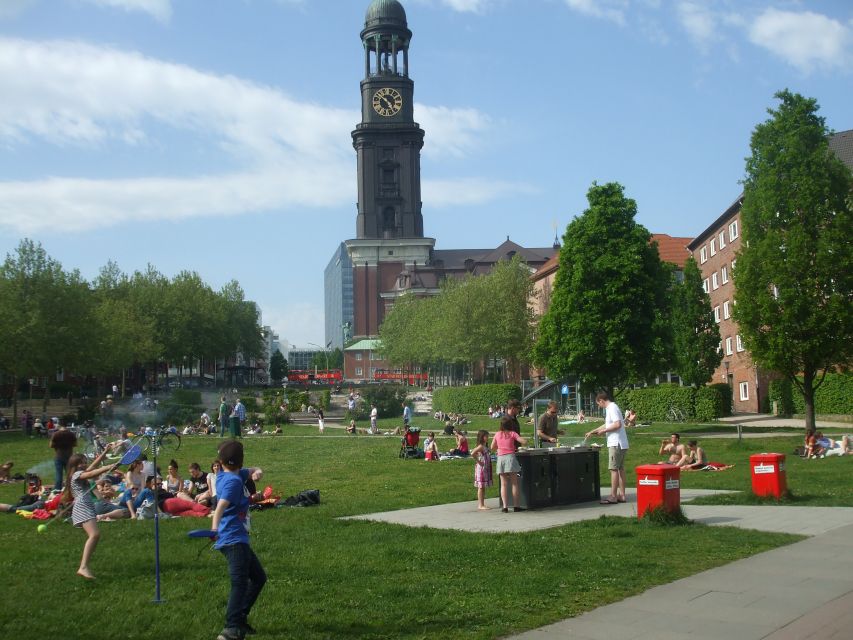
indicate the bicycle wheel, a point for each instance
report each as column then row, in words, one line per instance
column 168, row 443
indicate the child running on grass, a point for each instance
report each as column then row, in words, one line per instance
column 231, row 523
column 83, row 512
column 482, row 468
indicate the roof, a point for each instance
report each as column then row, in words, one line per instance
column 548, row 268
column 672, row 250
column 385, row 12
column 368, row 344
column 841, row 143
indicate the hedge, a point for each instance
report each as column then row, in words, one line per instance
column 653, row 403
column 833, row 397
column 474, row 400
column 388, row 399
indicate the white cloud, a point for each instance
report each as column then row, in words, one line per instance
column 159, row 9
column 298, row 322
column 803, row 39
column 613, row 10
column 699, row 22
column 73, row 94
column 467, row 6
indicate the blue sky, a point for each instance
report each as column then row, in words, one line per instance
column 215, row 136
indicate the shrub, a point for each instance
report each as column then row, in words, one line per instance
column 781, row 392
column 653, row 403
column 325, row 399
column 388, row 399
column 475, row 399
column 185, row 396
column 833, row 397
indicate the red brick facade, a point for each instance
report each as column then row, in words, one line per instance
column 715, row 251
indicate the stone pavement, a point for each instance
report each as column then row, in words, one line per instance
column 803, row 590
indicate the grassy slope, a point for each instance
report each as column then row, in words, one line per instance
column 337, row 579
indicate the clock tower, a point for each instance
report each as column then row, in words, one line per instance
column 389, row 227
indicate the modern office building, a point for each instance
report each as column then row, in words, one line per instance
column 338, row 293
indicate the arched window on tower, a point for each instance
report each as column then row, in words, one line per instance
column 389, row 226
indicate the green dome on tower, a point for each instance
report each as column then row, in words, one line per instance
column 385, row 12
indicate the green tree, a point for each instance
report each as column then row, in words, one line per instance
column 608, row 321
column 696, row 337
column 45, row 315
column 793, row 279
column 278, row 367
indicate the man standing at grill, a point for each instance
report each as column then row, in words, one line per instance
column 617, row 446
column 547, row 428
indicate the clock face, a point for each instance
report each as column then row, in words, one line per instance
column 387, row 102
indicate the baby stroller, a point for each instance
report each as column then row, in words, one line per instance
column 409, row 443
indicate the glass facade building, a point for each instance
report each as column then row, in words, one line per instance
column 338, row 297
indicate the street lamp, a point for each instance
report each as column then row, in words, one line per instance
column 325, row 351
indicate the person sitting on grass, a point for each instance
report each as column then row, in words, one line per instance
column 6, row 470
column 677, row 452
column 631, row 418
column 461, row 448
column 697, row 460
column 430, row 447
column 351, row 428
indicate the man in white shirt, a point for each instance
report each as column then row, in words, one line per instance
column 374, row 414
column 617, row 446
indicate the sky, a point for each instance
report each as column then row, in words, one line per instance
column 215, row 136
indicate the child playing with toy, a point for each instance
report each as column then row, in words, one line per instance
column 83, row 512
column 231, row 523
column 482, row 468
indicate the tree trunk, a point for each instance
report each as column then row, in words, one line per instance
column 808, row 397
column 14, row 400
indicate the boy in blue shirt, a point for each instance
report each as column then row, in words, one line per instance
column 231, row 523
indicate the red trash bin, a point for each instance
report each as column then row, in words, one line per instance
column 658, row 485
column 768, row 474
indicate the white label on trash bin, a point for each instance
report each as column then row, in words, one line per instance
column 672, row 483
column 645, row 482
column 760, row 469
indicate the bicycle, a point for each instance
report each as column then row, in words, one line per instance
column 675, row 415
column 162, row 441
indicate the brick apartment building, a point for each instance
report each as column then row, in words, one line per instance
column 715, row 251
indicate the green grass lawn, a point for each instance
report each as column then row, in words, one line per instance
column 330, row 578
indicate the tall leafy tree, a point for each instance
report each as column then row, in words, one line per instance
column 278, row 367
column 608, row 319
column 696, row 337
column 794, row 275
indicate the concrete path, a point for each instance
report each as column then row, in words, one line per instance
column 800, row 591
column 804, row 590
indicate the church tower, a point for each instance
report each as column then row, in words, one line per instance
column 389, row 227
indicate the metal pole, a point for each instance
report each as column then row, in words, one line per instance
column 157, row 599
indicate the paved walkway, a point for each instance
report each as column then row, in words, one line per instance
column 803, row 590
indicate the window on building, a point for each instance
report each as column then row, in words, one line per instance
column 724, row 274
column 744, row 391
column 738, row 343
column 372, row 371
column 358, row 355
column 715, row 283
column 713, row 246
column 717, row 313
column 733, row 265
column 706, row 285
column 775, row 292
column 728, row 346
column 358, row 371
column 733, row 231
column 703, row 255
column 726, row 313
column 722, row 238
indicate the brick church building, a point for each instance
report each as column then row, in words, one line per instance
column 390, row 254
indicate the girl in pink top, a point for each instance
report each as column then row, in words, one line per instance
column 508, row 467
column 482, row 468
